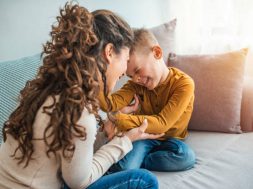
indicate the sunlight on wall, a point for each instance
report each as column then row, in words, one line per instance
column 213, row 26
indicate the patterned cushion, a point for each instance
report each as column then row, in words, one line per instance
column 13, row 77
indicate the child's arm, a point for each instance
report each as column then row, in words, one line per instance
column 169, row 115
column 120, row 98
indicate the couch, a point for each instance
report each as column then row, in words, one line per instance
column 224, row 149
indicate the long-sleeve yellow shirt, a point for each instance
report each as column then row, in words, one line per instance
column 167, row 108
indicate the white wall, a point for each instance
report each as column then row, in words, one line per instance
column 25, row 24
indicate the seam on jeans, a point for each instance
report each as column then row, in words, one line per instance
column 131, row 180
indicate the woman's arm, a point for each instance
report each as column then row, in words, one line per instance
column 85, row 168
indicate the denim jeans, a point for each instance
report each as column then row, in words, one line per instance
column 169, row 155
column 130, row 179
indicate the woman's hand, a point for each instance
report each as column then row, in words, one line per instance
column 131, row 108
column 138, row 133
column 109, row 129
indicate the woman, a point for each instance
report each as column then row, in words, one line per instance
column 48, row 139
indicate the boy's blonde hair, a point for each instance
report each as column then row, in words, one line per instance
column 144, row 40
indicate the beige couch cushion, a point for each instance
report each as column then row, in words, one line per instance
column 247, row 105
column 223, row 161
column 219, row 83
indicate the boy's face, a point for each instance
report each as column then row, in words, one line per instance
column 144, row 69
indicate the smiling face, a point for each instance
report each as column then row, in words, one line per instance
column 144, row 69
column 117, row 66
column 146, row 66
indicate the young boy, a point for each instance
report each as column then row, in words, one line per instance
column 166, row 97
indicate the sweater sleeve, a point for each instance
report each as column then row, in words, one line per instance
column 120, row 98
column 101, row 139
column 171, row 112
column 85, row 167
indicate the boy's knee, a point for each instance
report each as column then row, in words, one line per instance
column 167, row 162
column 188, row 161
column 191, row 159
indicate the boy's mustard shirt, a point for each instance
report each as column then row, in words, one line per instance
column 167, row 108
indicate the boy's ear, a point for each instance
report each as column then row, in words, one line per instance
column 157, row 51
column 108, row 52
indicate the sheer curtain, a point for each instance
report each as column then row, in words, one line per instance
column 211, row 26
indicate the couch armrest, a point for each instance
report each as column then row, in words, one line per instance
column 247, row 105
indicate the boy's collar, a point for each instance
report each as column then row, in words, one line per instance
column 166, row 80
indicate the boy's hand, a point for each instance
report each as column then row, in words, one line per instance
column 131, row 108
column 109, row 129
column 139, row 133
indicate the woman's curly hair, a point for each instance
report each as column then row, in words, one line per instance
column 72, row 63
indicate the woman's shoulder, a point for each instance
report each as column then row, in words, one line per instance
column 86, row 116
column 88, row 121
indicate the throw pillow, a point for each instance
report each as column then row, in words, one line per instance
column 218, row 89
column 247, row 105
column 165, row 35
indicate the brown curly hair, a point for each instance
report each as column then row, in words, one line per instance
column 72, row 64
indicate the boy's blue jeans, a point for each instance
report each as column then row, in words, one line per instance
column 155, row 155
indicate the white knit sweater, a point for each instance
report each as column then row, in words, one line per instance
column 43, row 172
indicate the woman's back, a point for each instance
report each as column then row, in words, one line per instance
column 41, row 172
